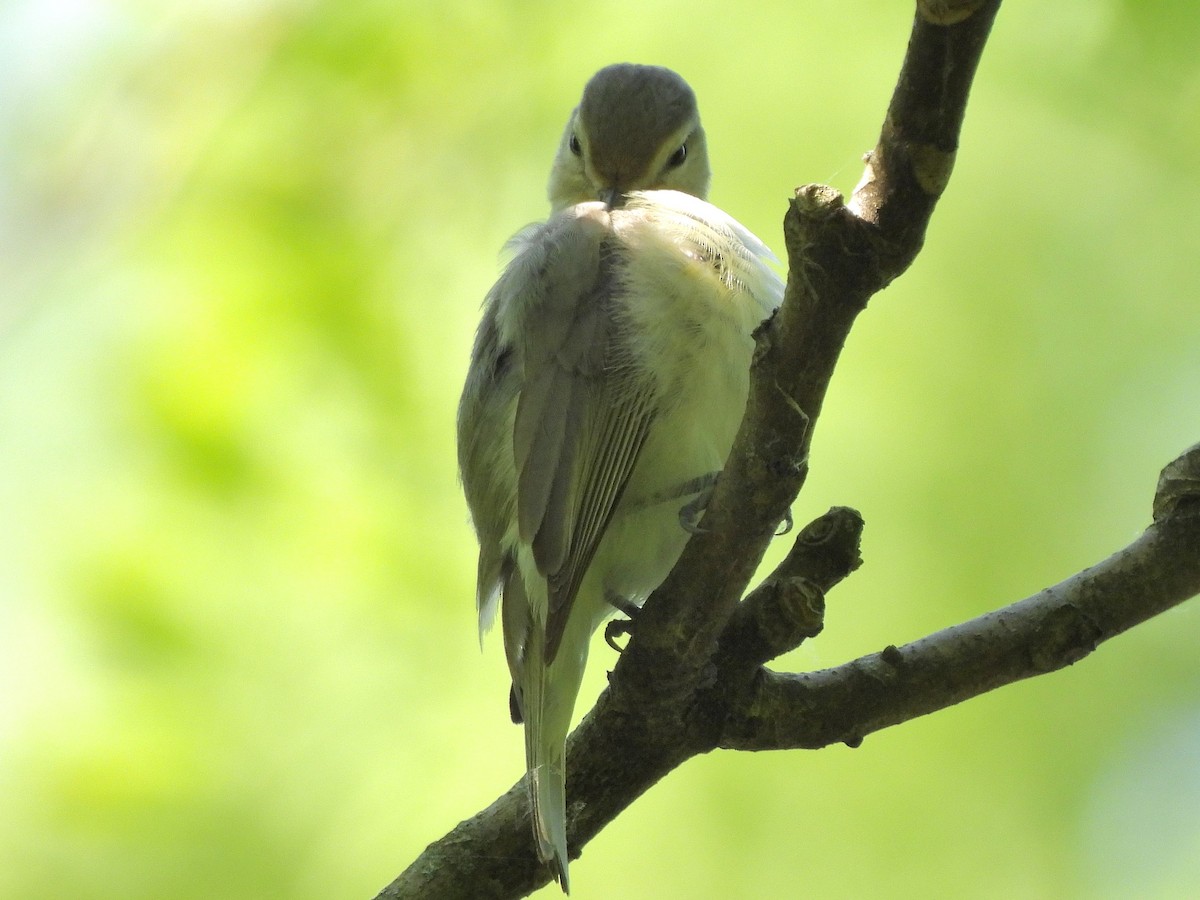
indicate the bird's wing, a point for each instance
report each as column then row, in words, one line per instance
column 484, row 416
column 584, row 409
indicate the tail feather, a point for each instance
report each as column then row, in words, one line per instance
column 548, row 791
column 545, row 751
column 544, row 698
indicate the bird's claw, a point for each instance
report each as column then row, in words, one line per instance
column 692, row 512
column 619, row 627
column 615, row 629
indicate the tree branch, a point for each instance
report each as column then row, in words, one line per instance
column 691, row 678
column 1052, row 629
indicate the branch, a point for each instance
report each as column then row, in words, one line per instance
column 692, row 679
column 1052, row 629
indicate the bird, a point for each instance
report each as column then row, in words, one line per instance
column 606, row 384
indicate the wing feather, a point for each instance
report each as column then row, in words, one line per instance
column 583, row 411
column 622, row 415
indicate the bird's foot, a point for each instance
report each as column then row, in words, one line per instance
column 620, row 627
column 692, row 512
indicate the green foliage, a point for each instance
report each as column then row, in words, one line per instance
column 242, row 251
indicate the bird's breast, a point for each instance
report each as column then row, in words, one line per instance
column 692, row 290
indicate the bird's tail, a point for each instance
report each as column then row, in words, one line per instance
column 546, row 729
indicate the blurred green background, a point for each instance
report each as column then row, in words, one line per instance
column 242, row 251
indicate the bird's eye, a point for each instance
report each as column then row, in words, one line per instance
column 575, row 146
column 678, row 157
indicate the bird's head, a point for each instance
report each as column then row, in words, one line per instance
column 637, row 128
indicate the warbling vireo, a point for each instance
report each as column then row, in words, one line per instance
column 608, row 378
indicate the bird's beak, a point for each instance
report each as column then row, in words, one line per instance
column 612, row 197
